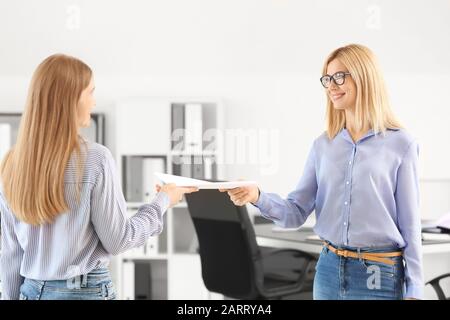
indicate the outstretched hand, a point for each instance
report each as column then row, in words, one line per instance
column 175, row 193
column 243, row 195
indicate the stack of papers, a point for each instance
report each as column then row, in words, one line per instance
column 442, row 225
column 436, row 236
column 201, row 184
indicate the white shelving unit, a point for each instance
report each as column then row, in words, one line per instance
column 144, row 129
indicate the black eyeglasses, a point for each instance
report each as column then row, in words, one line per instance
column 338, row 78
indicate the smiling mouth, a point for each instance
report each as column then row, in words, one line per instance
column 337, row 96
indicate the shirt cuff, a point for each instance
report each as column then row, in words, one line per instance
column 414, row 291
column 261, row 202
column 162, row 199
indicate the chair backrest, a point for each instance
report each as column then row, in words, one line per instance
column 229, row 254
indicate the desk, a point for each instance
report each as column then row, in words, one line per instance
column 435, row 261
column 265, row 236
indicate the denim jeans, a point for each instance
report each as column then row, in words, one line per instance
column 340, row 278
column 96, row 285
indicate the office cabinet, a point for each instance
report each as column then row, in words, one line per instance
column 176, row 136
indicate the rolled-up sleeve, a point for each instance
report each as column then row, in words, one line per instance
column 294, row 210
column 409, row 224
column 117, row 231
column 11, row 255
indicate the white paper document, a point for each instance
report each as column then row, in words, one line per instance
column 442, row 224
column 201, row 184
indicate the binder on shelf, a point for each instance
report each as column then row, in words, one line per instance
column 128, row 280
column 133, row 178
column 193, row 125
column 208, row 168
column 186, row 168
column 139, row 179
column 149, row 166
column 178, row 127
column 143, row 281
column 5, row 139
column 197, row 168
column 182, row 166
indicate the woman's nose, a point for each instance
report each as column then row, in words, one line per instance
column 332, row 89
column 332, row 86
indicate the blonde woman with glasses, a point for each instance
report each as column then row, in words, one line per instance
column 63, row 213
column 361, row 179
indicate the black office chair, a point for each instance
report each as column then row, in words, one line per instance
column 437, row 287
column 232, row 262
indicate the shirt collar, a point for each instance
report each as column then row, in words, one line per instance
column 346, row 135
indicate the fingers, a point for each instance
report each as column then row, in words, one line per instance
column 240, row 200
column 158, row 188
column 227, row 190
column 188, row 189
column 238, row 193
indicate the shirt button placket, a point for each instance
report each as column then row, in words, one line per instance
column 347, row 194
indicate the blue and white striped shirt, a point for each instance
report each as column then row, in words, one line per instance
column 365, row 194
column 85, row 237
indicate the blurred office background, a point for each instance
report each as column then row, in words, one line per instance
column 257, row 63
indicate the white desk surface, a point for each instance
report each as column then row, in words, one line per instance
column 265, row 236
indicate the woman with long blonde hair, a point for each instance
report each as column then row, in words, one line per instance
column 63, row 213
column 361, row 179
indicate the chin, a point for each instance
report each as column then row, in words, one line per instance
column 339, row 107
column 86, row 123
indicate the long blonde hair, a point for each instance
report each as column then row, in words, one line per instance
column 372, row 103
column 33, row 170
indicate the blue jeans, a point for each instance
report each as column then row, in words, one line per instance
column 96, row 285
column 340, row 278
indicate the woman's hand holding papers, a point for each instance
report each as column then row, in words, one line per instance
column 243, row 195
column 175, row 193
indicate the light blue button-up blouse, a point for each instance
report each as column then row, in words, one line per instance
column 364, row 193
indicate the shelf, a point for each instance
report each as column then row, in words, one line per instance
column 203, row 153
column 159, row 256
column 145, row 257
column 175, row 267
column 185, row 254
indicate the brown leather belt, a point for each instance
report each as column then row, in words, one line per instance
column 372, row 256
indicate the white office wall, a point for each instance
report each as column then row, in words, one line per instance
column 217, row 37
